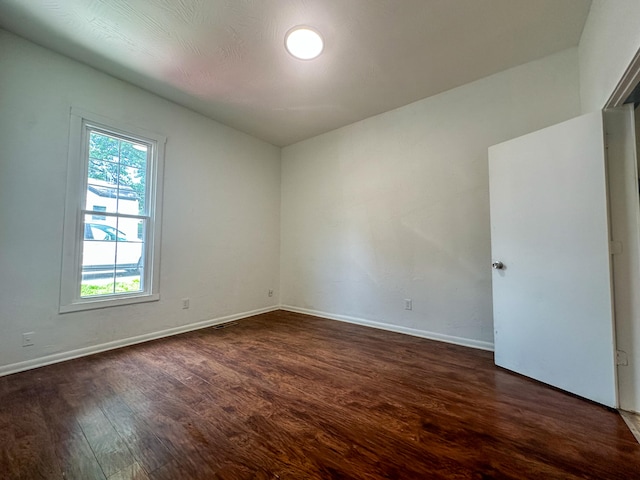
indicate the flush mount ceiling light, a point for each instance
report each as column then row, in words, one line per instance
column 304, row 43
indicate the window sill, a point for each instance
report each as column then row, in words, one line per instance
column 93, row 304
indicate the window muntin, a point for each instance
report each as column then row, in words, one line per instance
column 99, row 208
column 109, row 256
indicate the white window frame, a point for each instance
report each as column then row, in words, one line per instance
column 77, row 168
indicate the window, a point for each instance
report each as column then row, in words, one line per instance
column 112, row 217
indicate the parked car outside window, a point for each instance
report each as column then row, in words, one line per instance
column 105, row 246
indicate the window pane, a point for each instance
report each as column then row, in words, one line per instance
column 133, row 170
column 131, row 194
column 112, row 256
column 129, row 254
column 102, row 186
column 128, row 284
column 133, row 154
column 117, row 170
column 103, row 172
column 95, row 284
column 103, row 147
column 98, row 258
column 99, row 243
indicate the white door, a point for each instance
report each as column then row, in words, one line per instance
column 552, row 300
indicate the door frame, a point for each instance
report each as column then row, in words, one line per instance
column 629, row 81
column 628, row 400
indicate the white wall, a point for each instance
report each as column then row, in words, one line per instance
column 397, row 206
column 220, row 240
column 610, row 39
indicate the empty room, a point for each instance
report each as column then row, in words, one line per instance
column 319, row 239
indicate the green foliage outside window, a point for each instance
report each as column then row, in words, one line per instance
column 118, row 162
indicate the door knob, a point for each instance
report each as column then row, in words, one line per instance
column 498, row 265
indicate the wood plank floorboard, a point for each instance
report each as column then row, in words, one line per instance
column 289, row 396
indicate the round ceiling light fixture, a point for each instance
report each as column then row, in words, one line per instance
column 303, row 42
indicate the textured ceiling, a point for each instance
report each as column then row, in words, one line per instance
column 226, row 58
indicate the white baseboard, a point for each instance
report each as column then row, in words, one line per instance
column 465, row 342
column 82, row 352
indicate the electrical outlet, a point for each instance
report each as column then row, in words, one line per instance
column 408, row 304
column 27, row 339
column 185, row 303
column 270, row 293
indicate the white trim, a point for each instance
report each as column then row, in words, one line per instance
column 465, row 342
column 104, row 302
column 83, row 352
column 121, row 127
column 627, row 83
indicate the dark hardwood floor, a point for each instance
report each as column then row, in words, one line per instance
column 287, row 396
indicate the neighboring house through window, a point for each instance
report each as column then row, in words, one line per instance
column 112, row 217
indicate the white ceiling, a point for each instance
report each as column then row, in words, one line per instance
column 226, row 58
